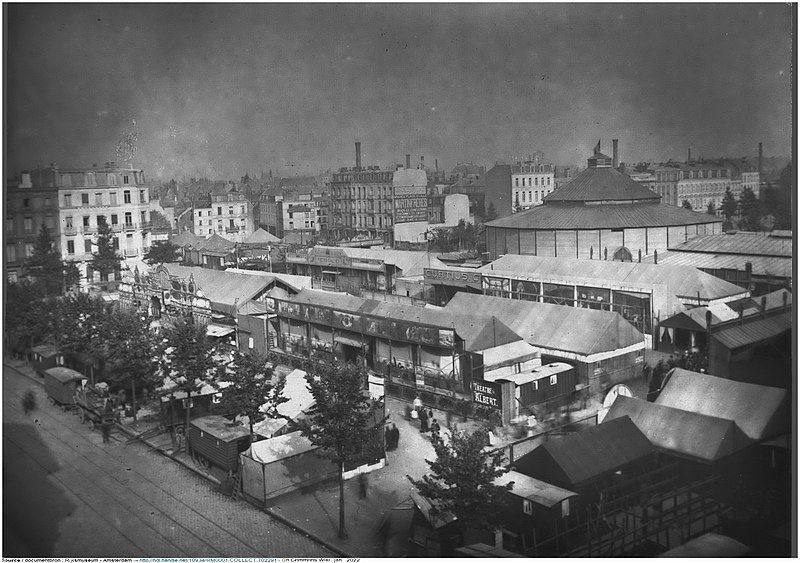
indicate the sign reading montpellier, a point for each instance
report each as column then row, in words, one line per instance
column 450, row 277
column 486, row 393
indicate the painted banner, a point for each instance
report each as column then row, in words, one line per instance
column 486, row 393
column 410, row 208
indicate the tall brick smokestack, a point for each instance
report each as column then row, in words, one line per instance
column 689, row 155
column 616, row 153
column 358, row 155
column 760, row 156
column 408, row 161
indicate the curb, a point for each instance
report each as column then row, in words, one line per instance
column 311, row 535
column 131, row 434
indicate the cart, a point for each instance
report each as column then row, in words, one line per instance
column 95, row 406
column 61, row 384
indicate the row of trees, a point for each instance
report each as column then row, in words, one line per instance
column 749, row 213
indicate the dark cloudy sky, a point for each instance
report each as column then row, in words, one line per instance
column 218, row 90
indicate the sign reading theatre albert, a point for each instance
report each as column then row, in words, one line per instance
column 486, row 393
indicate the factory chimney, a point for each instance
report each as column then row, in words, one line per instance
column 689, row 156
column 358, row 155
column 408, row 161
column 760, row 156
column 616, row 153
column 422, row 162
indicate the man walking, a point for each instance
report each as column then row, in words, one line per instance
column 423, row 421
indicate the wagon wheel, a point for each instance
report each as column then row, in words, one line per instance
column 81, row 415
column 179, row 430
column 91, row 424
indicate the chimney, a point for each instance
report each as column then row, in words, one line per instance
column 437, row 164
column 689, row 156
column 358, row 155
column 422, row 162
column 616, row 153
column 760, row 156
column 408, row 161
column 764, row 306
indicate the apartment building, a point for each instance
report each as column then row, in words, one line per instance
column 226, row 212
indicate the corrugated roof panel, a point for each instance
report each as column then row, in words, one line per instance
column 753, row 331
column 739, row 243
column 601, row 184
column 587, row 217
column 760, row 411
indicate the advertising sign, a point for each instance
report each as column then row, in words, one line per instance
column 348, row 321
column 450, row 277
column 410, row 208
column 486, row 393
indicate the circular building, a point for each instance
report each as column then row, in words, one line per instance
column 601, row 214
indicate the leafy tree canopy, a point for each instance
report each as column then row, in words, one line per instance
column 711, row 209
column 750, row 210
column 461, row 480
column 161, row 251
column 491, row 213
column 46, row 267
column 728, row 204
column 686, row 205
column 106, row 260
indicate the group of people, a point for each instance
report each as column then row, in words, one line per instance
column 424, row 416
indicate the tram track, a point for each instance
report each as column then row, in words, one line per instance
column 151, row 515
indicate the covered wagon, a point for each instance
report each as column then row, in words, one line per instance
column 215, row 440
column 60, row 384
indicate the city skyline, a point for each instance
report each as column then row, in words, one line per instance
column 220, row 90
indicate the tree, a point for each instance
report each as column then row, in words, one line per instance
column 250, row 390
column 462, row 480
column 517, row 206
column 728, row 204
column 80, row 328
column 131, row 351
column 339, row 421
column 161, row 251
column 27, row 322
column 105, row 260
column 686, row 205
column 491, row 213
column 46, row 267
column 778, row 204
column 750, row 210
column 189, row 360
column 711, row 209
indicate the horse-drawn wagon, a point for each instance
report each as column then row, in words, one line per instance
column 61, row 384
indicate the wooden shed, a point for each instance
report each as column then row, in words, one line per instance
column 215, row 440
column 533, row 510
column 544, row 384
column 44, row 357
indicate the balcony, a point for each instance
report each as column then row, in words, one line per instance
column 129, row 252
column 232, row 230
column 129, row 227
column 70, row 231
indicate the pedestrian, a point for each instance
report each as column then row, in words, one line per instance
column 387, row 438
column 430, row 414
column 106, row 430
column 417, row 404
column 395, row 436
column 423, row 421
column 362, row 485
column 435, row 429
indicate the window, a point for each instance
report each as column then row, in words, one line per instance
column 28, row 249
column 230, row 210
column 250, row 343
column 112, row 180
column 9, row 225
column 11, row 253
column 232, row 223
column 116, row 243
column 548, row 181
column 28, row 224
column 115, row 219
column 565, row 508
column 70, row 247
column 128, row 219
column 516, row 182
column 87, row 246
column 219, row 210
column 84, row 199
column 68, row 221
column 536, row 181
column 553, row 379
column 126, row 196
column 125, row 180
column 85, row 220
column 144, row 217
column 200, row 223
column 98, row 198
column 113, row 198
column 142, row 196
column 535, row 385
column 527, row 506
column 26, row 202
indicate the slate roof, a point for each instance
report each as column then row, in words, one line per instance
column 601, row 184
column 760, row 411
column 555, row 327
column 682, row 281
column 590, row 217
column 216, row 243
column 777, row 266
column 702, row 437
column 589, row 454
column 534, row 490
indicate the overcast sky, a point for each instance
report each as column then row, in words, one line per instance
column 218, row 90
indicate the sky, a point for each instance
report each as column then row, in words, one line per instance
column 220, row 90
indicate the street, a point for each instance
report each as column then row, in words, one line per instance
column 66, row 494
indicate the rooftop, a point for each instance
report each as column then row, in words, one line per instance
column 221, row 428
column 534, row 490
column 682, row 281
column 601, row 184
column 760, row 411
column 634, row 215
column 555, row 327
column 747, row 244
